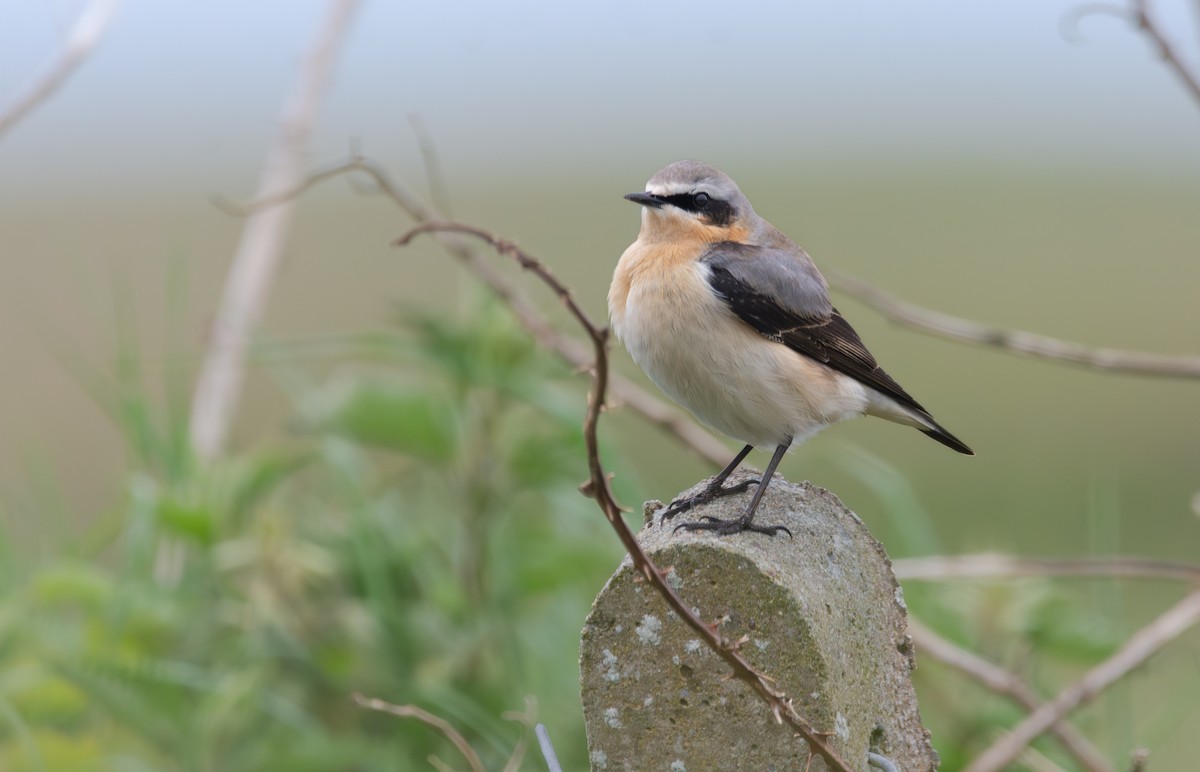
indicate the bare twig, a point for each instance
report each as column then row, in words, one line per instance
column 88, row 30
column 574, row 352
column 1035, row 761
column 437, row 722
column 997, row 566
column 433, row 166
column 1015, row 341
column 438, row 764
column 1139, row 16
column 1004, row 683
column 261, row 247
column 1146, row 23
column 598, row 488
column 526, row 718
column 1140, row 647
column 517, row 756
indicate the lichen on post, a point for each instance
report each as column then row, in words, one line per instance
column 821, row 613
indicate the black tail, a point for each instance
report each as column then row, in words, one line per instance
column 947, row 439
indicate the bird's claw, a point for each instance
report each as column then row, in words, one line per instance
column 703, row 497
column 727, row 527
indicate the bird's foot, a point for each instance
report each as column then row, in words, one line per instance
column 732, row 526
column 710, row 493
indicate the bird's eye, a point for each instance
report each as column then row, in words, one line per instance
column 700, row 200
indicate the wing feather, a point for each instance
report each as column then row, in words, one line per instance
column 829, row 339
column 781, row 294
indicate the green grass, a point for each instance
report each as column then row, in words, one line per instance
column 418, row 539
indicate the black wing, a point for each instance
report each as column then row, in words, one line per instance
column 829, row 339
column 825, row 337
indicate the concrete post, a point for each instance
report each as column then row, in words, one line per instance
column 825, row 618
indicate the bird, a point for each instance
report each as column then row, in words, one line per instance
column 732, row 319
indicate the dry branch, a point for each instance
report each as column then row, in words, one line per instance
column 598, row 488
column 1014, row 341
column 87, row 32
column 437, row 722
column 571, row 350
column 438, row 194
column 1143, row 20
column 528, row 719
column 997, row 566
column 997, row 679
column 260, row 250
column 1140, row 647
column 1138, row 15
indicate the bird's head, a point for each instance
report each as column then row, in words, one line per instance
column 689, row 200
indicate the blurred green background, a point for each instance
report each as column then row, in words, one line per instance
column 398, row 515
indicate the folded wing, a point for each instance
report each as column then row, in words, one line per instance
column 781, row 294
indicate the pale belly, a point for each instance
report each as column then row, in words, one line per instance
column 725, row 373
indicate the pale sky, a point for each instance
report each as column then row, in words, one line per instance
column 188, row 92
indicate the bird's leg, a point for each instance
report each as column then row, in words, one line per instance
column 745, row 522
column 713, row 490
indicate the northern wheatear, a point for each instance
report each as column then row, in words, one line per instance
column 732, row 320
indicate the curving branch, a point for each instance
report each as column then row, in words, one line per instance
column 1140, row 647
column 570, row 350
column 528, row 719
column 260, row 250
column 87, row 32
column 425, row 717
column 597, row 487
column 1145, row 22
column 1138, row 15
column 1020, row 342
column 997, row 679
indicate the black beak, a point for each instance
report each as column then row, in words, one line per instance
column 645, row 199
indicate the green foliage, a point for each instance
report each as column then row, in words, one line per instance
column 421, row 540
column 1041, row 630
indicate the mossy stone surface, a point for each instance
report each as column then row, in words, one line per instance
column 823, row 615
